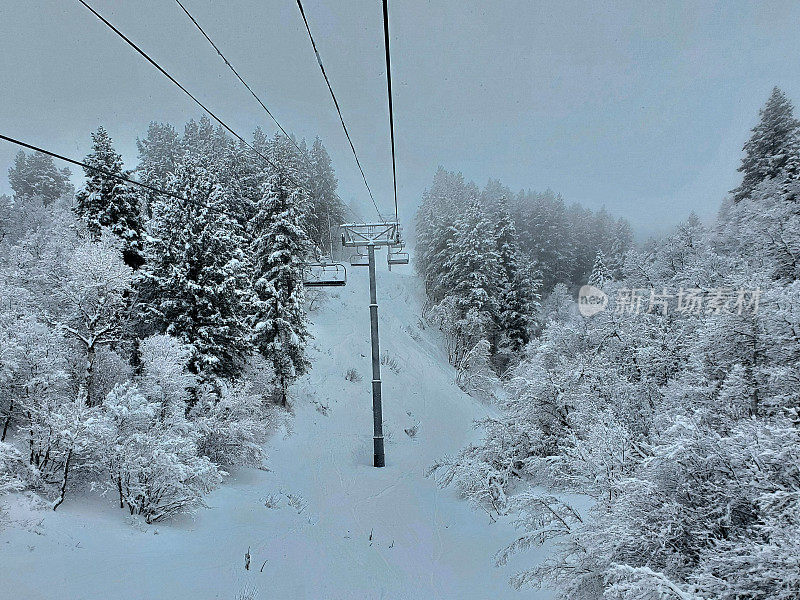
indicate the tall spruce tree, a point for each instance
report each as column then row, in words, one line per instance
column 516, row 289
column 774, row 145
column 327, row 210
column 241, row 172
column 435, row 229
column 473, row 267
column 280, row 331
column 159, row 154
column 107, row 202
column 291, row 164
column 601, row 273
column 195, row 283
column 199, row 139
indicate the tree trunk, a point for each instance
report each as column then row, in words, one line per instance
column 84, row 391
column 89, row 376
column 8, row 420
column 64, row 482
column 30, row 435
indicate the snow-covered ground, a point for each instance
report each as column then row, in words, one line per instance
column 321, row 523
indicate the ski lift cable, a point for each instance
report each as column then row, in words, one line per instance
column 336, row 104
column 391, row 110
column 252, row 93
column 111, row 175
column 238, row 76
column 188, row 93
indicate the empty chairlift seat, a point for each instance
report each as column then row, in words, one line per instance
column 324, row 274
column 360, row 258
column 397, row 255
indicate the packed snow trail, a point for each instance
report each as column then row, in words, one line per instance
column 321, row 523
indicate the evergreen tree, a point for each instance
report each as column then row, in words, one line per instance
column 256, row 171
column 621, row 241
column 36, row 175
column 195, row 283
column 494, row 196
column 327, row 210
column 601, row 274
column 290, row 164
column 107, row 202
column 473, row 267
column 517, row 295
column 260, row 141
column 199, row 138
column 549, row 234
column 242, row 173
column 159, row 153
column 6, row 215
column 280, row 332
column 773, row 145
column 435, row 229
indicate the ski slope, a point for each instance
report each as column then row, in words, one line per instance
column 321, row 523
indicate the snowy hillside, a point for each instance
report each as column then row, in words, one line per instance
column 321, row 522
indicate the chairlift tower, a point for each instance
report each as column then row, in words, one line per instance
column 372, row 236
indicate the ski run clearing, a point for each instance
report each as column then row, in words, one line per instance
column 321, row 523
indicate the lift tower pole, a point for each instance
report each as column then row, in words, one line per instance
column 371, row 236
column 377, row 408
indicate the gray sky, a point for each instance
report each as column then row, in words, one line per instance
column 639, row 106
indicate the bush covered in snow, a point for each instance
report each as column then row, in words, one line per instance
column 12, row 468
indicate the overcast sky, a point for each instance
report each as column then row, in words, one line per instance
column 639, row 106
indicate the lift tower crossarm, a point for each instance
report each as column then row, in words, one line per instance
column 371, row 234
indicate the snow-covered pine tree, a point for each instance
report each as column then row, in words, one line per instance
column 241, row 172
column 517, row 297
column 199, row 138
column 107, row 202
column 764, row 227
column 435, row 228
column 327, row 211
column 159, row 153
column 495, row 195
column 36, row 175
column 290, row 162
column 774, row 142
column 547, row 233
column 601, row 274
column 473, row 269
column 621, row 241
column 260, row 140
column 195, row 285
column 253, row 173
column 294, row 165
column 280, row 332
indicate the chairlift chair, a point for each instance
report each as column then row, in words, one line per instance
column 360, row 258
column 324, row 274
column 397, row 255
